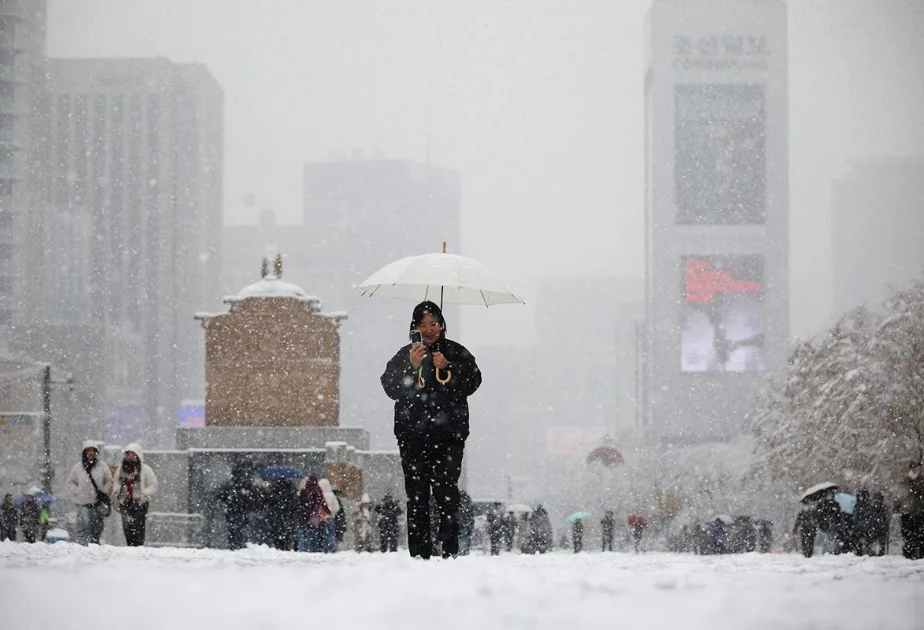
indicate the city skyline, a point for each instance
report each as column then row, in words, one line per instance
column 531, row 128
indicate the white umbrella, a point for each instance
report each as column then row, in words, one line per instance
column 817, row 489
column 439, row 277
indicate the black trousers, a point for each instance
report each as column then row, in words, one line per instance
column 134, row 522
column 432, row 465
column 912, row 536
column 388, row 537
column 808, row 542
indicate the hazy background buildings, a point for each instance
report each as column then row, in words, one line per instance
column 348, row 135
column 877, row 229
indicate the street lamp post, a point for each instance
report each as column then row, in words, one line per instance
column 48, row 471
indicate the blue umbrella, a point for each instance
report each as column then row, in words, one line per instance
column 846, row 501
column 41, row 497
column 577, row 516
column 280, row 472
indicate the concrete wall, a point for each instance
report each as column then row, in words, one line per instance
column 172, row 470
column 270, row 437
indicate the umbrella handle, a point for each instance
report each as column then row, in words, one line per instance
column 442, row 381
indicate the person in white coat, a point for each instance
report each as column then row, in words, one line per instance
column 132, row 488
column 90, row 481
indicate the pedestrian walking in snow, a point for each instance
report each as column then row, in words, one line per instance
column 608, row 526
column 30, row 516
column 717, row 536
column 364, row 526
column 389, row 512
column 495, row 526
column 9, row 518
column 764, row 535
column 430, row 381
column 523, row 532
column 911, row 509
column 312, row 515
column 577, row 535
column 340, row 519
column 241, row 495
column 637, row 525
column 89, row 484
column 540, row 526
column 806, row 527
column 329, row 524
column 881, row 524
column 864, row 523
column 133, row 486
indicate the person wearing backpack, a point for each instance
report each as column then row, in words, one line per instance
column 89, row 484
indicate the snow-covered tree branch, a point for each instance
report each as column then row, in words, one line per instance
column 851, row 404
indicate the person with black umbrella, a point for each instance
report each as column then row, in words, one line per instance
column 430, row 381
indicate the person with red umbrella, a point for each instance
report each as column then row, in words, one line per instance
column 638, row 524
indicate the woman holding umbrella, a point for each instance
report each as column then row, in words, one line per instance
column 430, row 381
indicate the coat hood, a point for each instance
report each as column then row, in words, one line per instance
column 135, row 448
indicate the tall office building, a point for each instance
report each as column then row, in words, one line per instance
column 133, row 219
column 877, row 224
column 22, row 129
column 359, row 216
column 716, row 150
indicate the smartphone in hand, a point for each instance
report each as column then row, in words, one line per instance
column 416, row 337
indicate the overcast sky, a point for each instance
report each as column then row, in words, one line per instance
column 538, row 104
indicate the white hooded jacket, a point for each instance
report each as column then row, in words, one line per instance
column 78, row 481
column 333, row 503
column 142, row 492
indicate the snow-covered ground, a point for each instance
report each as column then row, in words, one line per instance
column 63, row 586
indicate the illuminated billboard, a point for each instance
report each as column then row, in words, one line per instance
column 723, row 314
column 720, row 160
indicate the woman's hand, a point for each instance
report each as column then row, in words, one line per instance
column 439, row 361
column 417, row 354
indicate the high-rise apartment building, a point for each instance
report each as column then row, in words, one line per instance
column 133, row 218
column 716, row 207
column 22, row 130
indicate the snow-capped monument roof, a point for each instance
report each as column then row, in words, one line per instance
column 271, row 285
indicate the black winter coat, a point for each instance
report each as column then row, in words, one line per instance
column 424, row 407
column 389, row 512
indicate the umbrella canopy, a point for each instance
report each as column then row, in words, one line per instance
column 439, row 277
column 41, row 496
column 519, row 507
column 280, row 472
column 637, row 519
column 817, row 490
column 606, row 455
column 577, row 516
column 847, row 502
